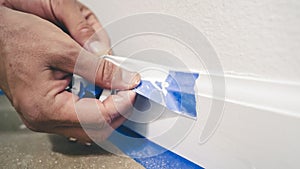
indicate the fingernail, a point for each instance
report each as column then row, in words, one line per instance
column 131, row 78
column 137, row 79
column 72, row 139
column 88, row 144
column 96, row 47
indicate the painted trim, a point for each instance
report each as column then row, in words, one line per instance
column 260, row 118
column 273, row 95
column 166, row 159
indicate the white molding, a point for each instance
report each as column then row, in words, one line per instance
column 258, row 129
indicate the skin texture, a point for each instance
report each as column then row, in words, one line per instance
column 40, row 44
column 70, row 15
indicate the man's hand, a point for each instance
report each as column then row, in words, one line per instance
column 70, row 15
column 37, row 60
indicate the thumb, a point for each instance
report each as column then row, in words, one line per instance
column 104, row 73
column 96, row 70
column 110, row 76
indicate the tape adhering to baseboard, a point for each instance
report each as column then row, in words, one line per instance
column 176, row 92
column 138, row 149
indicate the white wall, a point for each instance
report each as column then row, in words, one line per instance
column 258, row 37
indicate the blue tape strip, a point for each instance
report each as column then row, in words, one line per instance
column 90, row 91
column 1, row 92
column 179, row 96
column 176, row 92
column 139, row 149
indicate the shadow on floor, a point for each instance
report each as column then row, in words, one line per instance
column 61, row 145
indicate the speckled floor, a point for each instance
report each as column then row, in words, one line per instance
column 21, row 148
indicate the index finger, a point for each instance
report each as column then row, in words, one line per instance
column 92, row 113
column 99, row 42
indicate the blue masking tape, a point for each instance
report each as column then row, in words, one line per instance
column 1, row 92
column 150, row 91
column 138, row 149
column 89, row 91
column 178, row 96
column 176, row 92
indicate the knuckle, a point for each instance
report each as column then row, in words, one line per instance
column 83, row 26
column 107, row 119
column 107, row 73
column 107, row 115
column 72, row 50
column 67, row 56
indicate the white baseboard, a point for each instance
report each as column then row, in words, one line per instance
column 259, row 127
